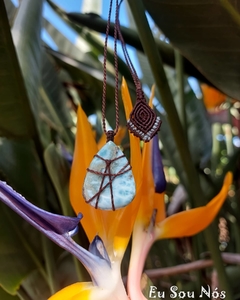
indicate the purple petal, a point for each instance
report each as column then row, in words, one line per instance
column 157, row 167
column 47, row 220
column 57, row 228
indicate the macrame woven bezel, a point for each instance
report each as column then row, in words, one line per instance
column 143, row 121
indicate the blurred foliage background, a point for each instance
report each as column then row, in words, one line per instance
column 197, row 77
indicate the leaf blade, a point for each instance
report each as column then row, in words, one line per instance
column 193, row 27
column 16, row 119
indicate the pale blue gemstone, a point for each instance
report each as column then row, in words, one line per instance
column 123, row 185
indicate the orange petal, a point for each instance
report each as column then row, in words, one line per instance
column 119, row 228
column 85, row 149
column 148, row 188
column 118, row 231
column 159, row 204
column 212, row 97
column 126, row 98
column 72, row 290
column 94, row 221
column 193, row 221
column 134, row 141
column 120, row 135
column 117, row 139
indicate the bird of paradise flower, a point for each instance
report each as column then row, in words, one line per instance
column 109, row 231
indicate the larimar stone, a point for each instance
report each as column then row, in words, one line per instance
column 109, row 182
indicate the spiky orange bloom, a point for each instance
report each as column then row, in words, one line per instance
column 109, row 225
column 115, row 227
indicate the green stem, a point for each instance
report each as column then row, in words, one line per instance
column 22, row 294
column 197, row 249
column 211, row 235
column 228, row 130
column 216, row 130
column 231, row 10
column 156, row 65
column 180, row 82
column 50, row 264
column 194, row 186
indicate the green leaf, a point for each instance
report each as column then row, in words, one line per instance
column 59, row 171
column 199, row 130
column 22, row 168
column 193, row 27
column 197, row 121
column 94, row 42
column 11, row 10
column 81, row 50
column 6, row 296
column 36, row 287
column 15, row 260
column 55, row 91
column 198, row 124
column 91, row 79
column 131, row 37
column 20, row 246
column 54, row 100
column 26, row 35
column 16, row 119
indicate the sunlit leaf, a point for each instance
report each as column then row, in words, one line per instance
column 59, row 171
column 193, row 27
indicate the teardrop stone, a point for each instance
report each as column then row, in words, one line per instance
column 109, row 182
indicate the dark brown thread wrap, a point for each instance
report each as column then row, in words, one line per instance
column 107, row 172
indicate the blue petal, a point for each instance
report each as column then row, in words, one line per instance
column 157, row 167
column 49, row 221
column 97, row 248
column 66, row 154
column 57, row 228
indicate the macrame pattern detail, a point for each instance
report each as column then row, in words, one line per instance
column 109, row 183
column 143, row 122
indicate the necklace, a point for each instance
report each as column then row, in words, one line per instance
column 109, row 182
column 143, row 121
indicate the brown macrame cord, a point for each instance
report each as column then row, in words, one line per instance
column 110, row 133
column 143, row 121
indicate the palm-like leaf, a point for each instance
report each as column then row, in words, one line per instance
column 207, row 33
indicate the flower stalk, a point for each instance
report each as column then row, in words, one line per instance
column 195, row 189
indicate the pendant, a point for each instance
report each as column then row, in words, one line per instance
column 109, row 182
column 143, row 121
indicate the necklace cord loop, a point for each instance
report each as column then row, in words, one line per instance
column 104, row 94
column 110, row 135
